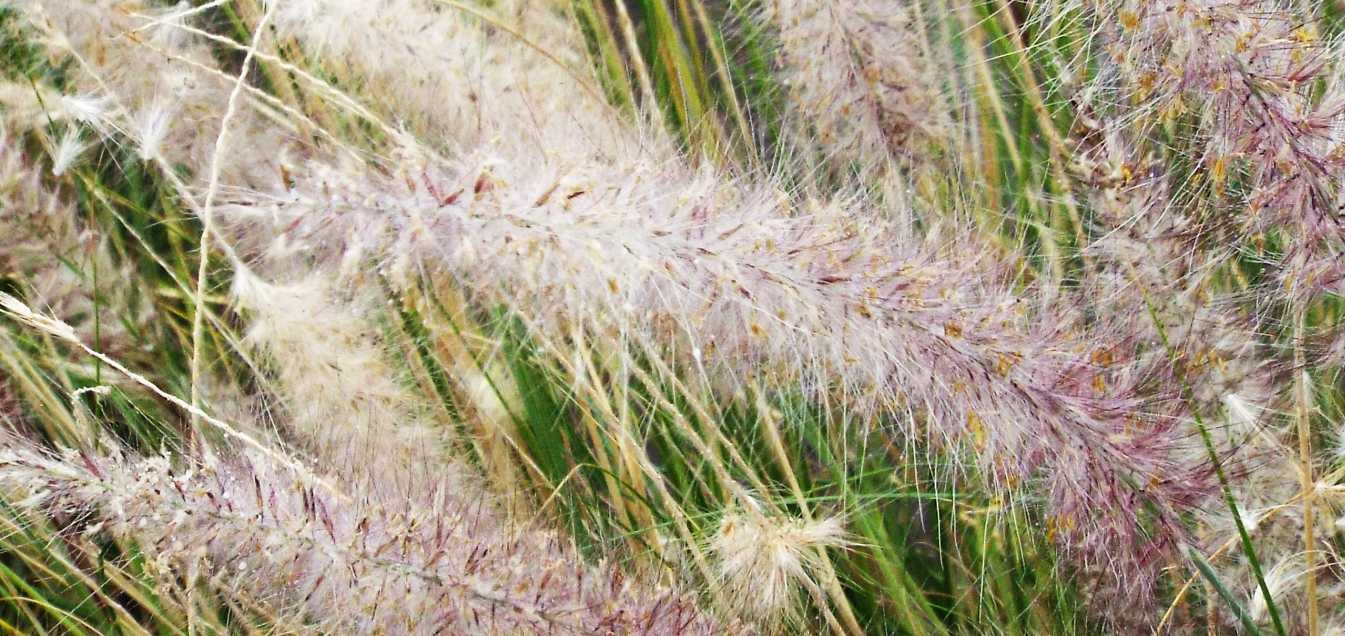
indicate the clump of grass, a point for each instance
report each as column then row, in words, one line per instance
column 780, row 316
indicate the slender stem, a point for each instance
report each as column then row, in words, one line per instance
column 724, row 74
column 637, row 61
column 832, row 582
column 202, row 271
column 1302, row 414
column 1187, row 394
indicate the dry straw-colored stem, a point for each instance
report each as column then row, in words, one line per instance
column 21, row 312
column 1303, row 425
column 207, row 218
column 776, row 443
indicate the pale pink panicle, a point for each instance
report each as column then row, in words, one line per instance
column 440, row 562
column 823, row 296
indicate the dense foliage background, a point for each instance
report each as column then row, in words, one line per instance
column 709, row 316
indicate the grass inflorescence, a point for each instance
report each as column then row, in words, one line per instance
column 671, row 316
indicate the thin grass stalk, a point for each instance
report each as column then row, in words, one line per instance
column 617, row 430
column 591, row 13
column 207, row 220
column 1060, row 154
column 1223, row 548
column 981, row 66
column 832, row 584
column 1302, row 419
column 649, row 468
column 723, row 72
column 1212, row 579
column 21, row 312
column 1248, row 548
column 636, row 59
column 777, row 447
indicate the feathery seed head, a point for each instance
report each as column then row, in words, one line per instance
column 766, row 562
column 89, row 109
column 153, row 125
column 21, row 312
column 1282, row 580
column 686, row 261
column 67, row 152
column 263, row 532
